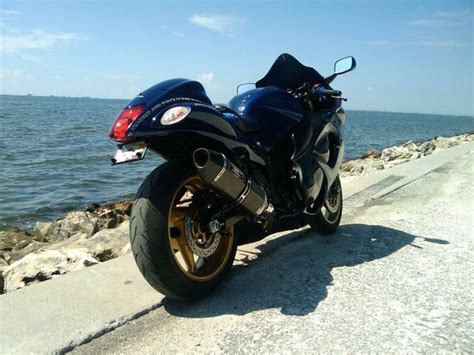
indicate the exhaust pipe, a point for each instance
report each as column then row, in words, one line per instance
column 218, row 171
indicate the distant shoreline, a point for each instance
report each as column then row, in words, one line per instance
column 130, row 98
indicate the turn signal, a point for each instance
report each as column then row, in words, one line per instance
column 174, row 115
column 118, row 132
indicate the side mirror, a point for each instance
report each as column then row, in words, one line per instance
column 245, row 87
column 344, row 65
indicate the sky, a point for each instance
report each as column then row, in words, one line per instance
column 412, row 56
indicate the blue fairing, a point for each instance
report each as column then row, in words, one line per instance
column 171, row 88
column 276, row 111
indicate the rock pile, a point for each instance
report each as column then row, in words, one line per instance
column 385, row 159
column 80, row 239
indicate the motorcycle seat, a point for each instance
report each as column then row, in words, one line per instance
column 245, row 124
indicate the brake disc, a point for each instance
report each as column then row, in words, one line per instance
column 201, row 243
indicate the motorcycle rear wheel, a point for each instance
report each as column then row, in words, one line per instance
column 165, row 236
column 327, row 220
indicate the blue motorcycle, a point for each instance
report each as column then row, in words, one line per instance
column 266, row 162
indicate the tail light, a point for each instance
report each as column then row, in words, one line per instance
column 118, row 132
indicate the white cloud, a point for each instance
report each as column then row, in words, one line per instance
column 205, row 78
column 432, row 23
column 121, row 77
column 440, row 44
column 33, row 59
column 10, row 73
column 14, row 42
column 378, row 42
column 173, row 32
column 223, row 24
column 421, row 43
column 9, row 12
column 459, row 13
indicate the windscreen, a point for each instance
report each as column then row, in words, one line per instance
column 288, row 73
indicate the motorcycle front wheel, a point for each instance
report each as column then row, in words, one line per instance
column 327, row 220
column 172, row 252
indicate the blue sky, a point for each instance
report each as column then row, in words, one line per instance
column 413, row 56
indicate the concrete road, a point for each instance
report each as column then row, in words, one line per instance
column 396, row 277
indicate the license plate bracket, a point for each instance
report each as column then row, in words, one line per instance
column 126, row 153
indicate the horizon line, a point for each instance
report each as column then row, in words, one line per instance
column 354, row 109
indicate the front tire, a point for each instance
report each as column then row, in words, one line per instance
column 327, row 220
column 162, row 228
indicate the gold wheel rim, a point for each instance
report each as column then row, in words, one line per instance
column 193, row 266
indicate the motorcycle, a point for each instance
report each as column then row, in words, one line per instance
column 266, row 162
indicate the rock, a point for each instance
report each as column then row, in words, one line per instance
column 372, row 154
column 410, row 145
column 123, row 207
column 372, row 165
column 111, row 214
column 32, row 247
column 112, row 222
column 396, row 152
column 43, row 265
column 103, row 245
column 73, row 223
column 14, row 238
column 352, row 165
column 3, row 267
column 398, row 162
column 415, row 156
column 3, row 262
column 346, row 166
column 361, row 166
column 378, row 165
column 358, row 169
column 5, row 256
column 21, row 244
column 77, row 236
column 445, row 143
column 107, row 243
column 41, row 230
column 427, row 148
column 92, row 207
column 126, row 249
column 389, row 154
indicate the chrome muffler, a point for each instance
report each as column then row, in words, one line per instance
column 218, row 171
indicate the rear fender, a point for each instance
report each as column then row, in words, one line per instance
column 202, row 117
column 204, row 126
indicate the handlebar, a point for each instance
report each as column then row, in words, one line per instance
column 306, row 90
column 325, row 92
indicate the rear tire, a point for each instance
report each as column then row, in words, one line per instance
column 159, row 242
column 327, row 220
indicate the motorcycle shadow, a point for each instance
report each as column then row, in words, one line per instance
column 293, row 272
